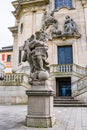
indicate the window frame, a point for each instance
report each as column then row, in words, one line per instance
column 65, row 50
column 63, row 6
column 9, row 60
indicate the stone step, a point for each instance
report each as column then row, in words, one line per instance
column 68, row 102
column 70, row 105
column 63, row 98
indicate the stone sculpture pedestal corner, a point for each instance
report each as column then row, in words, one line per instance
column 40, row 105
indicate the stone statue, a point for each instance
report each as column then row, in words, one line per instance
column 70, row 27
column 50, row 24
column 55, row 32
column 35, row 52
column 48, row 20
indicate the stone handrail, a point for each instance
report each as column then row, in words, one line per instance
column 14, row 79
column 79, row 86
column 68, row 68
column 79, row 69
column 61, row 68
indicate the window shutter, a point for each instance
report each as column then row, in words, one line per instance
column 3, row 57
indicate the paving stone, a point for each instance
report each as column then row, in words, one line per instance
column 71, row 118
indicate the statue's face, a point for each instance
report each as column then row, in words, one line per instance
column 67, row 17
column 25, row 46
column 38, row 35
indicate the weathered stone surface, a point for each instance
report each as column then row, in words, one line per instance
column 70, row 118
column 40, row 105
column 13, row 95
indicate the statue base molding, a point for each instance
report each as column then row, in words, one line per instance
column 40, row 105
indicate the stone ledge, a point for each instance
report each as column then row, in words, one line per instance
column 39, row 93
column 28, row 3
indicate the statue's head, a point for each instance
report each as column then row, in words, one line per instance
column 67, row 17
column 31, row 38
column 25, row 46
column 38, row 35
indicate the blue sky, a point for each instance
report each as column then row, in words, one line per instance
column 6, row 20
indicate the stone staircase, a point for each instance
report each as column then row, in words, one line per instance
column 68, row 102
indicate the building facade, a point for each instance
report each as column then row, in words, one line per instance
column 6, row 57
column 67, row 46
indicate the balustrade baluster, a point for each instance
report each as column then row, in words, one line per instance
column 69, row 68
column 61, row 68
column 66, row 68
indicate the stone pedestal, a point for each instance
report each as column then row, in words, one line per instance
column 40, row 105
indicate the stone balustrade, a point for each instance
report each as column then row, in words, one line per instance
column 54, row 68
column 79, row 69
column 81, row 83
column 14, row 79
column 1, row 75
column 1, row 71
column 13, row 87
column 79, row 86
column 61, row 68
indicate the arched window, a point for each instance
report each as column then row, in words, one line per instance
column 63, row 3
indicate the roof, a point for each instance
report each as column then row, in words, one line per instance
column 6, row 48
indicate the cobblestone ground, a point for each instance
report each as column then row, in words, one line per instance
column 71, row 118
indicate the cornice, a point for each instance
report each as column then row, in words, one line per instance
column 33, row 1
column 84, row 3
column 13, row 29
column 19, row 5
column 15, row 4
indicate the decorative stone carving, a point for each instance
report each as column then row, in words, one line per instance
column 48, row 20
column 70, row 27
column 55, row 32
column 35, row 52
column 50, row 24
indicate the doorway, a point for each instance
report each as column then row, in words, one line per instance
column 63, row 87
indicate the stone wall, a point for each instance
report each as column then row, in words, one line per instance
column 13, row 89
column 13, row 95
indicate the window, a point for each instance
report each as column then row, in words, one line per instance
column 3, row 57
column 65, row 55
column 8, row 58
column 63, row 3
column 20, row 56
column 21, row 28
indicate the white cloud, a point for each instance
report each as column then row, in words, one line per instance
column 6, row 20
